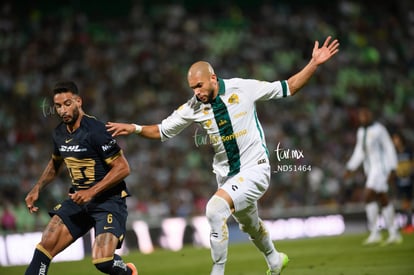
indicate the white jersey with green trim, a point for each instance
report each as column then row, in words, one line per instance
column 230, row 121
column 374, row 149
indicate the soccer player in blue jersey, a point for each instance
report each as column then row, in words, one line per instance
column 404, row 179
column 97, row 167
column 226, row 109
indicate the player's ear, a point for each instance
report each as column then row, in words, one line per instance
column 78, row 100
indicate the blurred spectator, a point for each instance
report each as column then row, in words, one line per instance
column 8, row 219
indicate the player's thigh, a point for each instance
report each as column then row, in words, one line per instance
column 110, row 217
column 56, row 236
column 74, row 216
column 248, row 186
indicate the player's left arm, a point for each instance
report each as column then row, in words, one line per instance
column 119, row 170
column 357, row 156
column 319, row 56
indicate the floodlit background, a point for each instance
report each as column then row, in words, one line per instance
column 130, row 58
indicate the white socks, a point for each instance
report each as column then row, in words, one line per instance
column 388, row 213
column 372, row 212
column 250, row 223
column 264, row 243
column 217, row 212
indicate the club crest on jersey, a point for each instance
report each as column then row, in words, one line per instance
column 233, row 99
column 207, row 123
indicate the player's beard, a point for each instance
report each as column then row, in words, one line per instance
column 210, row 96
column 72, row 120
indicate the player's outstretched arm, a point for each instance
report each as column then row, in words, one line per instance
column 120, row 129
column 123, row 129
column 319, row 56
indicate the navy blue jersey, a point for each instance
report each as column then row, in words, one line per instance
column 87, row 153
column 405, row 171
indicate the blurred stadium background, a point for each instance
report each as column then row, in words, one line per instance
column 130, row 60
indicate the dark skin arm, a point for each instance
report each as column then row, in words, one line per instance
column 48, row 175
column 348, row 174
column 119, row 170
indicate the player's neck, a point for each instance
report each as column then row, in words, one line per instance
column 72, row 127
column 368, row 124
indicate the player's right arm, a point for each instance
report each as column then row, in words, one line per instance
column 357, row 156
column 122, row 129
column 168, row 128
column 50, row 172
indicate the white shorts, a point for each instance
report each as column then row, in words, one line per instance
column 246, row 187
column 377, row 180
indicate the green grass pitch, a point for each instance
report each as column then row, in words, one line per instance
column 339, row 255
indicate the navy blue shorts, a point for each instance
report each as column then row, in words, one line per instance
column 104, row 215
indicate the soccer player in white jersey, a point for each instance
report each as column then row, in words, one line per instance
column 375, row 150
column 225, row 108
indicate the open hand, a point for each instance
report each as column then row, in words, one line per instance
column 328, row 49
column 120, row 129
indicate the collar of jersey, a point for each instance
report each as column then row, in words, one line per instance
column 222, row 87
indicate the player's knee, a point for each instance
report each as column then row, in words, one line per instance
column 217, row 209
